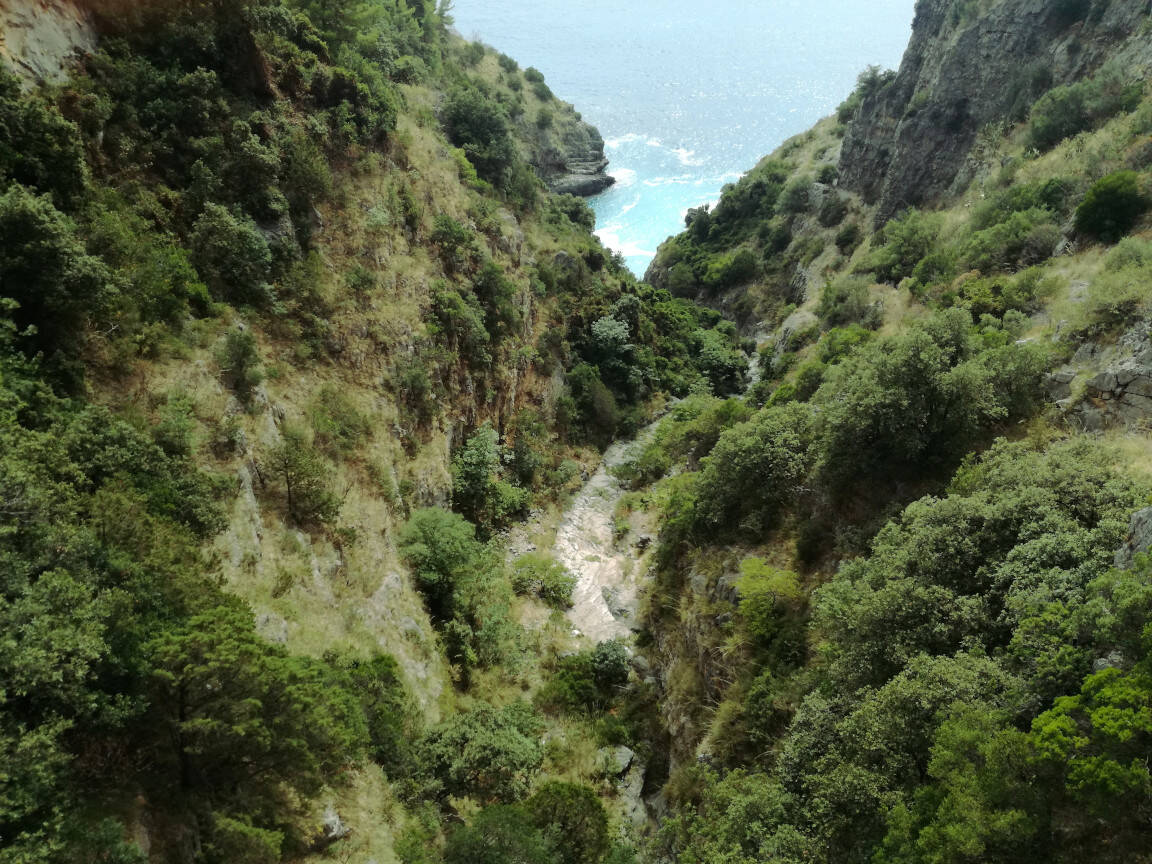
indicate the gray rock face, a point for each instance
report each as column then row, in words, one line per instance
column 1121, row 394
column 1138, row 540
column 1058, row 385
column 616, row 760
column 910, row 140
column 573, row 161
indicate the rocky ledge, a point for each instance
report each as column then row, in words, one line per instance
column 1120, row 392
column 571, row 160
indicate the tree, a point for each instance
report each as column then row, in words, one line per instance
column 545, row 577
column 572, row 820
column 238, row 717
column 489, row 753
column 755, row 469
column 440, row 547
column 231, row 255
column 306, row 477
column 45, row 268
column 38, row 148
column 500, row 834
column 480, row 127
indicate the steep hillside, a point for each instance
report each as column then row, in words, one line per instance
column 897, row 614
column 306, row 355
column 292, row 330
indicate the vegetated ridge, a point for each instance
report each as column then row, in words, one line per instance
column 291, row 329
column 301, row 360
column 901, row 604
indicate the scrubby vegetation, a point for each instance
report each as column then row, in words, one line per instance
column 293, row 337
column 266, row 264
column 888, row 604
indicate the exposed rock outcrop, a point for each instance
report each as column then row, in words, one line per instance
column 39, row 37
column 909, row 140
column 571, row 159
column 1120, row 394
column 1139, row 538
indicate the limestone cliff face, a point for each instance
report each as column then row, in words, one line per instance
column 570, row 158
column 39, row 37
column 909, row 141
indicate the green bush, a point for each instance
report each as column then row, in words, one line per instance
column 594, row 414
column 588, row 682
column 900, row 245
column 1112, row 206
column 543, row 577
column 479, row 126
column 1023, row 239
column 477, row 490
column 848, row 238
column 456, row 243
column 848, row 300
column 39, row 149
column 242, row 719
column 901, row 405
column 572, row 819
column 461, row 319
column 441, row 548
column 797, row 196
column 45, row 268
column 832, row 210
column 1051, row 194
column 755, row 470
column 232, row 256
column 1067, row 110
column 1129, row 252
column 388, row 716
column 338, row 424
column 489, row 753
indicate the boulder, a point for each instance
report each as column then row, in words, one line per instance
column 616, row 760
column 1139, row 538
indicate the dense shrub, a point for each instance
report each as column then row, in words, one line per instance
column 900, row 245
column 797, row 195
column 544, row 577
column 1112, row 206
column 340, row 427
column 920, row 399
column 46, row 270
column 232, row 256
column 1023, row 239
column 487, row 753
column 480, row 127
column 477, row 490
column 588, row 682
column 1067, row 110
column 464, row 585
column 755, row 470
column 39, row 149
column 848, row 300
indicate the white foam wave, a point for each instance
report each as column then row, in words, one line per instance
column 627, row 208
column 613, row 143
column 685, row 156
column 610, row 237
column 625, row 177
column 679, row 180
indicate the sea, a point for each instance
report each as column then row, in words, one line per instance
column 688, row 95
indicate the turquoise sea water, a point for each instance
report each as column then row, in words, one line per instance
column 689, row 95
